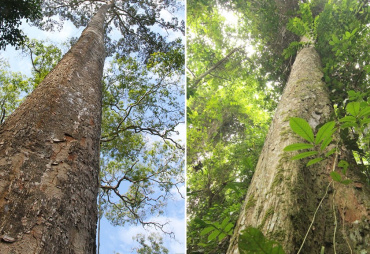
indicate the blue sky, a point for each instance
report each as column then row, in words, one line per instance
column 112, row 239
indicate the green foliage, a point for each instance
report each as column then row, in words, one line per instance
column 224, row 136
column 302, row 128
column 292, row 49
column 218, row 230
column 154, row 246
column 252, row 241
column 141, row 24
column 338, row 178
column 11, row 14
column 355, row 128
column 340, row 46
column 142, row 161
column 321, row 140
column 325, row 132
column 356, row 120
column 298, row 146
column 44, row 57
column 12, row 87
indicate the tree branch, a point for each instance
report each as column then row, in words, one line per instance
column 213, row 68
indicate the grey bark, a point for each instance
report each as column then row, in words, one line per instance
column 49, row 155
column 284, row 194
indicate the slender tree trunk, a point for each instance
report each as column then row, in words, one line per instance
column 213, row 68
column 49, row 155
column 284, row 194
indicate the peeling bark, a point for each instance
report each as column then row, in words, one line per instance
column 49, row 155
column 284, row 194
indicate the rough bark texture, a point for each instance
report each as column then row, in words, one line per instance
column 49, row 156
column 284, row 194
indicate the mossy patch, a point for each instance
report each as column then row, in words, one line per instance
column 250, row 203
column 268, row 213
column 278, row 235
column 279, row 177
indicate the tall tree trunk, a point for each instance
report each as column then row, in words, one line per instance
column 49, row 155
column 284, row 194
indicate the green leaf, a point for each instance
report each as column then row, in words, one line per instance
column 224, row 222
column 221, row 236
column 325, row 143
column 335, row 39
column 252, row 240
column 348, row 119
column 365, row 121
column 346, row 182
column 343, row 164
column 302, row 128
column 364, row 112
column 330, row 152
column 348, row 125
column 336, row 176
column 353, row 108
column 313, row 161
column 202, row 244
column 352, row 94
column 324, row 131
column 213, row 235
column 297, row 146
column 228, row 228
column 304, row 155
column 207, row 230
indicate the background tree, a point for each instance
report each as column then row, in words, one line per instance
column 154, row 246
column 224, row 121
column 274, row 31
column 12, row 85
column 11, row 13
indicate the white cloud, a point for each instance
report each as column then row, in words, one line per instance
column 68, row 31
column 20, row 62
column 17, row 61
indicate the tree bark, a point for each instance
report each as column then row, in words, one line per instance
column 284, row 194
column 49, row 155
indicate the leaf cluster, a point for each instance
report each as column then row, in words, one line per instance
column 140, row 23
column 11, row 14
column 252, row 241
column 321, row 140
column 142, row 161
column 44, row 57
column 12, row 86
column 343, row 47
column 154, row 246
column 226, row 129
